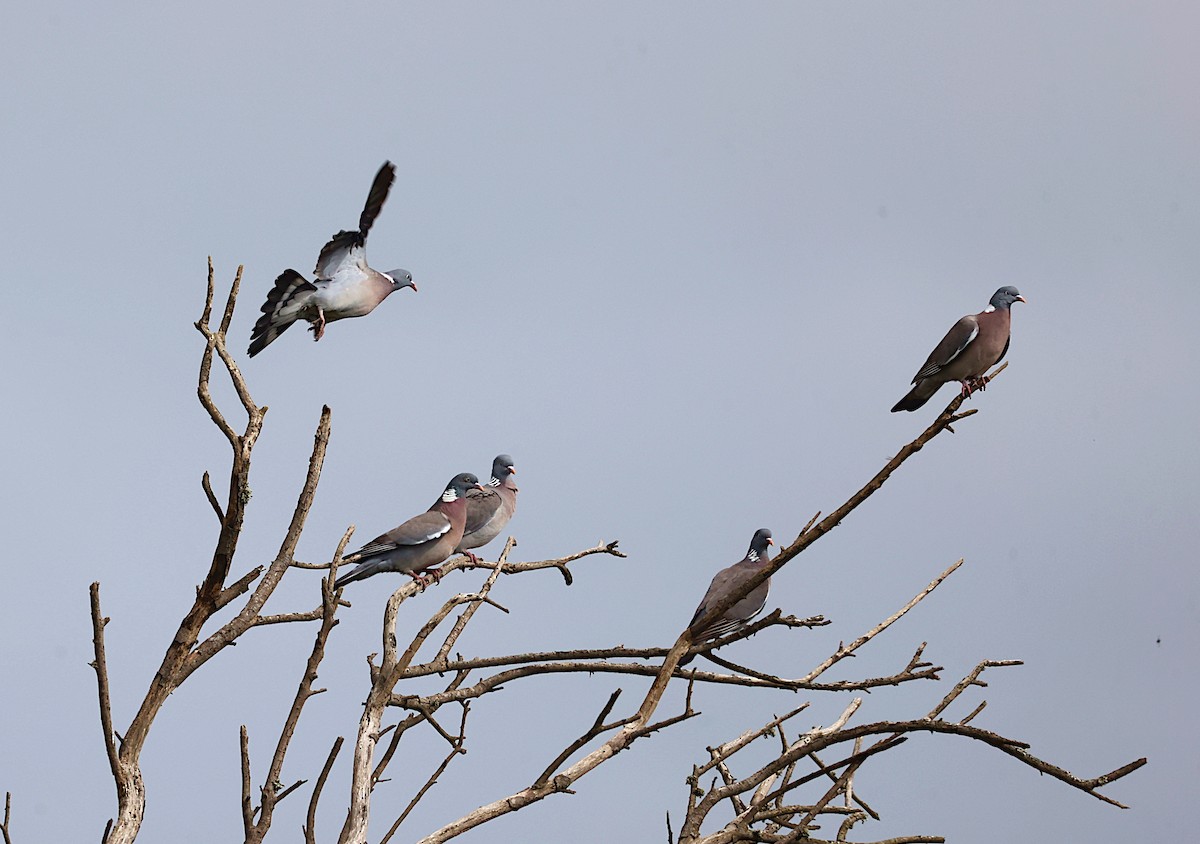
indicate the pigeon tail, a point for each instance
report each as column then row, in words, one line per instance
column 286, row 303
column 922, row 392
column 363, row 571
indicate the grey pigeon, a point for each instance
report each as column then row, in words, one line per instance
column 974, row 345
column 490, row 508
column 725, row 582
column 344, row 285
column 421, row 542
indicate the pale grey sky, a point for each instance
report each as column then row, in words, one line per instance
column 678, row 260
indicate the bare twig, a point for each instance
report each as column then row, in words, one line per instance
column 848, row 650
column 247, row 800
column 598, row 727
column 7, row 818
column 212, row 498
column 304, row 691
column 310, row 836
column 971, row 679
column 461, row 623
column 100, row 664
column 456, row 749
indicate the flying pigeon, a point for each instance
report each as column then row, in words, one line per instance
column 725, row 582
column 974, row 345
column 489, row 508
column 421, row 542
column 344, row 285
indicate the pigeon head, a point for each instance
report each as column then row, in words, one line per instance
column 502, row 467
column 1003, row 298
column 459, row 485
column 758, row 545
column 400, row 278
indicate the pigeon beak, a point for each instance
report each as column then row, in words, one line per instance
column 1022, row 299
column 512, row 470
column 770, row 541
column 414, row 286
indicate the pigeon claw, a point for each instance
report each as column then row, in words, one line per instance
column 424, row 577
column 973, row 384
column 318, row 326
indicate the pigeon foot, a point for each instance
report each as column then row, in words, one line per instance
column 425, row 576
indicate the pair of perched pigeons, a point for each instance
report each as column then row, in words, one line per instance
column 468, row 515
column 465, row 516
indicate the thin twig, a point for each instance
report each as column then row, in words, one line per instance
column 7, row 817
column 100, row 664
column 455, row 751
column 845, row 651
column 212, row 498
column 596, row 729
column 247, row 804
column 310, row 836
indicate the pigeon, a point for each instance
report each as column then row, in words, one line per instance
column 344, row 285
column 489, row 508
column 421, row 542
column 974, row 345
column 725, row 582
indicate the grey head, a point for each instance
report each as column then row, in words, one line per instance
column 1003, row 298
column 502, row 467
column 459, row 485
column 759, row 544
column 400, row 278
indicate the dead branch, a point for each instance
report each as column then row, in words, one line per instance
column 7, row 817
column 391, row 670
column 311, row 818
column 775, row 779
column 184, row 655
column 812, row 532
column 456, row 749
column 844, row 652
column 305, row 690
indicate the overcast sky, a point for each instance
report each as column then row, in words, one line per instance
column 679, row 260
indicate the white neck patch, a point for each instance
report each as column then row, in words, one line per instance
column 752, row 556
column 449, row 495
column 494, row 482
column 989, row 309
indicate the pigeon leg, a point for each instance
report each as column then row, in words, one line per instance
column 972, row 385
column 318, row 327
column 471, row 556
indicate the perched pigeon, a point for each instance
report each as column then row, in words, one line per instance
column 725, row 582
column 421, row 542
column 490, row 508
column 344, row 286
column 974, row 345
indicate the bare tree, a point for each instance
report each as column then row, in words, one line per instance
column 786, row 799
